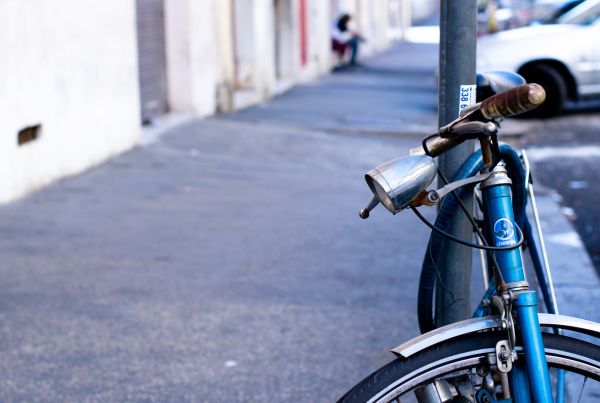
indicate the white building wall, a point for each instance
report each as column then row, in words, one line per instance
column 345, row 6
column 422, row 9
column 320, row 57
column 192, row 55
column 225, row 50
column 320, row 17
column 286, row 36
column 264, row 48
column 70, row 66
column 381, row 20
column 222, row 54
column 244, row 38
column 364, row 22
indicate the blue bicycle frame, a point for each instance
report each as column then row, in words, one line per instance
column 501, row 224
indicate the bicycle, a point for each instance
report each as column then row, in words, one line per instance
column 503, row 353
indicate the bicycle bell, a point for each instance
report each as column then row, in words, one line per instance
column 398, row 182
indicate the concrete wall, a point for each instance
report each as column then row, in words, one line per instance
column 70, row 66
column 229, row 54
column 424, row 9
column 267, row 42
column 264, row 48
column 286, row 36
column 192, row 55
column 319, row 27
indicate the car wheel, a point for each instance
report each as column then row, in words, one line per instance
column 555, row 87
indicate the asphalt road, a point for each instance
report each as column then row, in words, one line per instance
column 565, row 151
column 219, row 264
column 225, row 261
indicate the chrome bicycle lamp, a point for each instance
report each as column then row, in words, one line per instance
column 398, row 182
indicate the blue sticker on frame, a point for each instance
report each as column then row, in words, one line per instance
column 504, row 232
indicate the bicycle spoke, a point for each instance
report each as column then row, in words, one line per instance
column 581, row 391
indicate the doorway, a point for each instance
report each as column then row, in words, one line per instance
column 151, row 59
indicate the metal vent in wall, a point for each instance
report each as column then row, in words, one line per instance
column 29, row 134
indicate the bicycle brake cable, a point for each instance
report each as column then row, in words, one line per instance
column 476, row 229
column 466, row 243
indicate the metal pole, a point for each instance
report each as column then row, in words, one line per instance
column 458, row 38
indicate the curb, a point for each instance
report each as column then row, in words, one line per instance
column 573, row 273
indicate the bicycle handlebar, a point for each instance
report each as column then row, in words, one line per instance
column 512, row 102
column 515, row 101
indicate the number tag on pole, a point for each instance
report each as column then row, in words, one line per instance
column 467, row 97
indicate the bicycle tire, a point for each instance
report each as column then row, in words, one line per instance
column 405, row 374
column 555, row 87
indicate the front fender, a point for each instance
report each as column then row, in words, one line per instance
column 475, row 325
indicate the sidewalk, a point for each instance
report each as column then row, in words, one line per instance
column 394, row 92
column 225, row 261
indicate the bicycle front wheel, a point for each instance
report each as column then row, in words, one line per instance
column 462, row 366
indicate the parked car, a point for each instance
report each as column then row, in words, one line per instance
column 564, row 58
column 549, row 11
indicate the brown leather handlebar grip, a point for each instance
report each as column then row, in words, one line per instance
column 514, row 101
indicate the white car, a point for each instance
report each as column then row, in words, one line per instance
column 564, row 58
